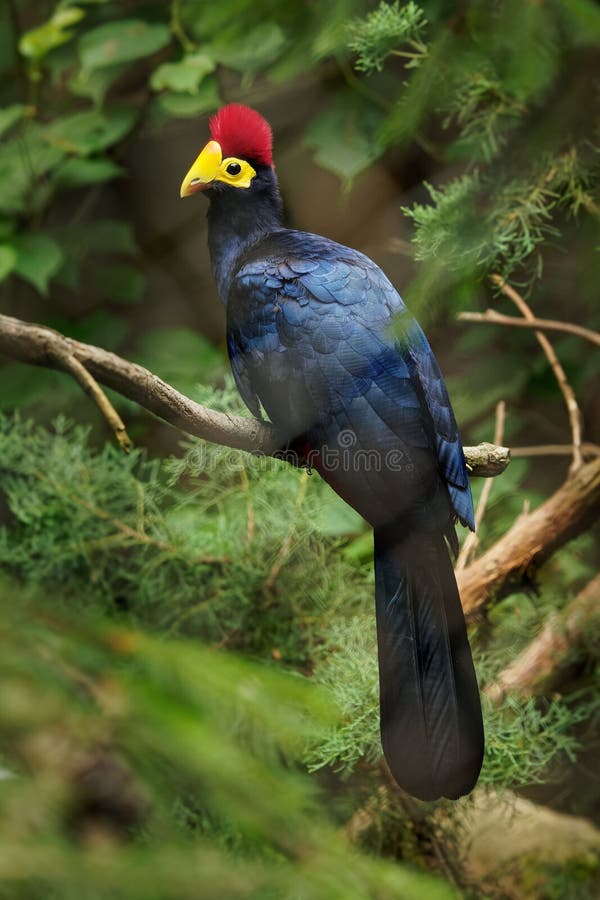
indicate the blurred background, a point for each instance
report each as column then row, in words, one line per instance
column 188, row 651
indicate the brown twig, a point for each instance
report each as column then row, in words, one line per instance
column 532, row 539
column 559, row 372
column 41, row 346
column 588, row 450
column 71, row 364
column 471, row 541
column 490, row 316
column 537, row 668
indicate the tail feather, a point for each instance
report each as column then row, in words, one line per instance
column 431, row 726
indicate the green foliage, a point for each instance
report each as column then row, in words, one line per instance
column 85, row 133
column 142, row 767
column 121, row 42
column 77, row 172
column 185, row 75
column 38, row 258
column 181, row 357
column 523, row 741
column 10, row 116
column 37, row 43
column 489, row 86
column 358, row 129
column 349, row 671
column 208, row 547
column 69, row 133
column 390, row 25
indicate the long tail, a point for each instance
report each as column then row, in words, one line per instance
column 431, row 726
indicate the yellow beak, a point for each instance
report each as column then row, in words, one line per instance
column 203, row 170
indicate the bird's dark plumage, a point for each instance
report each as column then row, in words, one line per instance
column 321, row 339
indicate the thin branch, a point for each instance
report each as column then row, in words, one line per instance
column 71, row 364
column 471, row 541
column 42, row 346
column 496, row 318
column 588, row 450
column 563, row 636
column 559, row 372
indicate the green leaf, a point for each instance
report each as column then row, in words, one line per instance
column 335, row 518
column 252, row 51
column 39, row 257
column 38, row 42
column 344, row 139
column 182, row 105
column 109, row 236
column 121, row 282
column 75, row 172
column 10, row 115
column 22, row 161
column 7, row 228
column 182, row 357
column 121, row 42
column 91, row 131
column 183, row 76
column 8, row 260
column 94, row 84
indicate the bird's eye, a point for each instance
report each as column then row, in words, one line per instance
column 234, row 168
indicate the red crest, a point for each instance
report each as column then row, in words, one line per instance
column 243, row 132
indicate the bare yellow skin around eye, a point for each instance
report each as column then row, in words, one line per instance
column 244, row 177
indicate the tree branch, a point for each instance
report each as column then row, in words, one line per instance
column 42, row 346
column 532, row 539
column 505, row 839
column 559, row 372
column 39, row 345
column 588, row 450
column 490, row 316
column 537, row 668
column 71, row 364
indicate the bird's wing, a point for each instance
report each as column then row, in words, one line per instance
column 450, row 454
column 239, row 367
column 353, row 351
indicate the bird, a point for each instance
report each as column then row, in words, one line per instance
column 320, row 339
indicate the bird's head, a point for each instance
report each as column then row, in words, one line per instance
column 241, row 145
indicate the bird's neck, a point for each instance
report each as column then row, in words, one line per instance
column 237, row 219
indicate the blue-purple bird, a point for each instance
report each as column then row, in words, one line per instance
column 319, row 337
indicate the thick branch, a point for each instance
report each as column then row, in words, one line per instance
column 537, row 668
column 532, row 539
column 42, row 346
column 490, row 316
column 39, row 346
column 504, row 838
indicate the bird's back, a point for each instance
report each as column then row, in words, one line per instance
column 320, row 336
